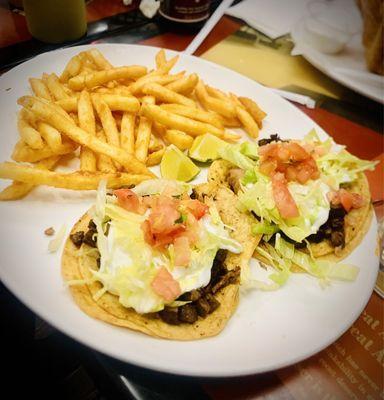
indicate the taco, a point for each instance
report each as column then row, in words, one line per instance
column 310, row 201
column 157, row 260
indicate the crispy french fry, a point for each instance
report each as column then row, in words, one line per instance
column 160, row 58
column 174, row 121
column 155, row 157
column 117, row 102
column 55, row 87
column 235, row 100
column 51, row 135
column 158, row 129
column 73, row 68
column 107, row 120
column 24, row 153
column 88, row 123
column 101, row 77
column 49, row 114
column 154, row 144
column 99, row 60
column 184, row 85
column 231, row 122
column 104, row 163
column 74, row 181
column 69, row 104
column 143, row 135
column 248, row 122
column 257, row 113
column 214, row 92
column 137, row 87
column 166, row 95
column 29, row 134
column 197, row 114
column 165, row 68
column 127, row 132
column 40, row 89
column 222, row 107
column 17, row 190
column 179, row 139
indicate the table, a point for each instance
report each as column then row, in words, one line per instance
column 358, row 353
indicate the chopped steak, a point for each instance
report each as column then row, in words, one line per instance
column 77, row 238
column 225, row 280
column 187, row 313
column 213, row 303
column 338, row 239
column 89, row 238
column 234, row 177
column 190, row 296
column 203, row 308
column 169, row 315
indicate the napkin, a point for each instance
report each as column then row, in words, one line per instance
column 274, row 18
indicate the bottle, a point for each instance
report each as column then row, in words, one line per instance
column 184, row 15
column 56, row 21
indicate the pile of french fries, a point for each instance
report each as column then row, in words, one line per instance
column 117, row 121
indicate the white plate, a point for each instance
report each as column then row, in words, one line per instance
column 268, row 331
column 347, row 67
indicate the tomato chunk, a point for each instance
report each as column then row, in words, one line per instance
column 129, row 200
column 195, row 207
column 165, row 285
column 284, row 201
column 182, row 251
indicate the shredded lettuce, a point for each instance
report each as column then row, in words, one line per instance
column 233, row 154
column 283, row 255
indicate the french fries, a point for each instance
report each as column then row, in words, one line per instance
column 74, row 180
column 29, row 134
column 88, row 123
column 117, row 121
column 18, row 190
column 143, row 135
column 101, row 77
column 82, row 137
column 174, row 121
column 166, row 95
column 179, row 139
column 184, row 85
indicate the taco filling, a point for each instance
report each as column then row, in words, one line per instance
column 159, row 252
column 309, row 198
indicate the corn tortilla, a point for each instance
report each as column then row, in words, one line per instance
column 77, row 265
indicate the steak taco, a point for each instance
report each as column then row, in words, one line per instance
column 157, row 260
column 310, row 201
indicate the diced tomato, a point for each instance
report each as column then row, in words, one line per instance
column 267, row 167
column 193, row 229
column 283, row 154
column 196, row 207
column 165, row 285
column 291, row 173
column 296, row 152
column 347, row 199
column 268, row 150
column 284, row 201
column 129, row 200
column 182, row 251
column 148, row 236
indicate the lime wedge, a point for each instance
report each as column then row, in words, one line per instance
column 206, row 147
column 176, row 165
